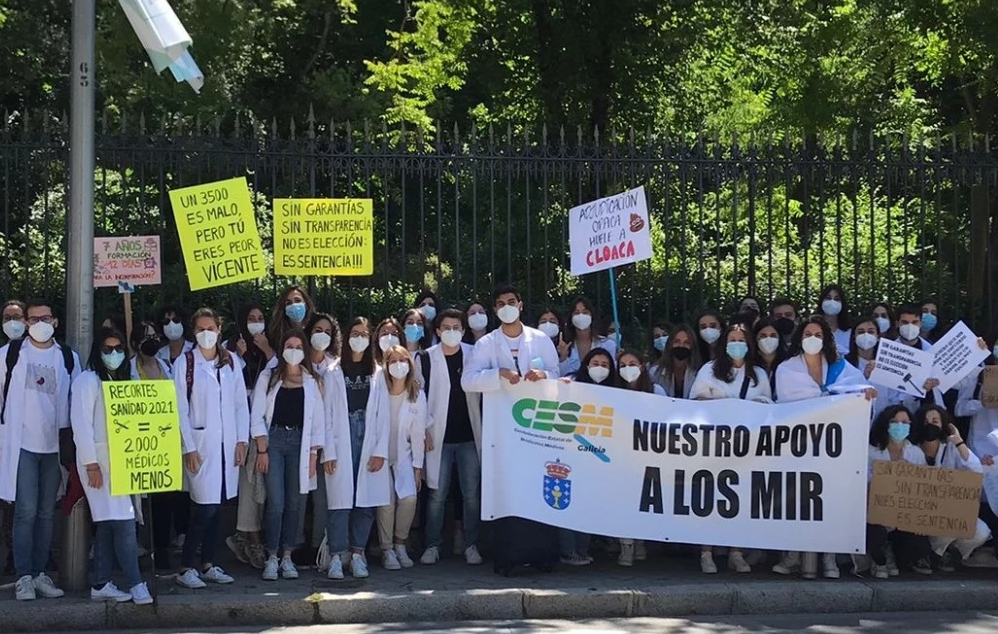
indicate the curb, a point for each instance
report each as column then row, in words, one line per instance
column 751, row 597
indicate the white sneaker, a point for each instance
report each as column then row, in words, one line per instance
column 892, row 565
column 390, row 560
column 288, row 570
column 879, row 572
column 270, row 569
column 190, row 579
column 45, row 587
column 24, row 589
column 707, row 565
column 737, row 563
column 403, row 556
column 335, row 568
column 471, row 556
column 830, row 566
column 431, row 556
column 216, row 575
column 140, row 594
column 358, row 566
column 626, row 557
column 640, row 552
column 110, row 592
column 787, row 565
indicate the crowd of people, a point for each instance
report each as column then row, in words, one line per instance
column 277, row 411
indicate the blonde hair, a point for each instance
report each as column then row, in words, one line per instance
column 411, row 386
column 222, row 356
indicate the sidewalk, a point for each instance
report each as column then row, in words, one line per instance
column 451, row 590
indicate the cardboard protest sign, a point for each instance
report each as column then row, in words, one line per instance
column 218, row 233
column 901, row 367
column 956, row 355
column 333, row 236
column 135, row 260
column 989, row 387
column 609, row 232
column 924, row 500
column 143, row 436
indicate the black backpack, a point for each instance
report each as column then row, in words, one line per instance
column 13, row 352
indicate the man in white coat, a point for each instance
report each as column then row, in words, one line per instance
column 34, row 411
column 454, row 436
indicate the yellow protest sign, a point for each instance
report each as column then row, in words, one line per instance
column 218, row 233
column 143, row 436
column 331, row 236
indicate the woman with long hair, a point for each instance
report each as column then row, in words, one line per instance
column 292, row 311
column 580, row 337
column 677, row 368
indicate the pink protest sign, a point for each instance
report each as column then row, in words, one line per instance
column 135, row 260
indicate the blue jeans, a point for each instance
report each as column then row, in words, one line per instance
column 349, row 529
column 116, row 538
column 38, row 478
column 469, row 476
column 281, row 521
column 573, row 542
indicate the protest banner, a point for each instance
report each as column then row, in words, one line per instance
column 728, row 472
column 143, row 436
column 924, row 500
column 218, row 233
column 333, row 236
column 901, row 367
column 609, row 232
column 956, row 355
column 135, row 260
column 989, row 387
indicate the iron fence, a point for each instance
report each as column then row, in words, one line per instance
column 887, row 217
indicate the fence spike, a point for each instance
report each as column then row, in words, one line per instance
column 474, row 134
column 162, row 123
column 578, row 133
column 45, row 122
column 198, row 124
column 25, row 120
column 6, row 120
column 142, row 122
column 180, row 126
column 273, row 128
column 419, row 139
column 332, row 130
column 103, row 121
column 987, row 143
column 509, row 134
column 218, row 126
column 457, row 136
column 561, row 133
column 123, row 123
column 492, row 135
column 544, row 134
column 294, row 128
column 311, row 121
column 596, row 135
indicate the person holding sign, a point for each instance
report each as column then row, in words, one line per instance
column 813, row 370
column 113, row 515
column 214, row 428
column 14, row 325
column 909, row 334
column 889, row 441
column 944, row 448
column 983, row 434
column 580, row 337
column 288, row 424
column 677, row 368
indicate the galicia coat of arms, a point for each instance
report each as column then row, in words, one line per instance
column 557, row 486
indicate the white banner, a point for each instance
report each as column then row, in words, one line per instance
column 623, row 464
column 902, row 367
column 956, row 355
column 609, row 232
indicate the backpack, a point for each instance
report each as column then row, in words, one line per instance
column 424, row 361
column 13, row 352
column 189, row 357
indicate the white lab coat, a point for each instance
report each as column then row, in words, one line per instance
column 13, row 427
column 707, row 387
column 164, row 367
column 572, row 364
column 373, row 489
column 336, row 446
column 439, row 404
column 410, row 441
column 492, row 354
column 313, row 426
column 948, row 457
column 668, row 385
column 212, row 423
column 794, row 383
column 163, row 354
column 90, row 436
column 983, row 435
column 885, row 396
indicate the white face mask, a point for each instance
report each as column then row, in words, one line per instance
column 256, row 328
column 508, row 314
column 173, row 331
column 598, row 373
column 582, row 321
column 41, row 332
column 768, row 345
column 387, row 341
column 320, row 341
column 399, row 369
column 478, row 321
column 359, row 344
column 14, row 329
column 909, row 332
column 812, row 345
column 207, row 339
column 429, row 312
column 549, row 328
column 630, row 373
column 831, row 307
column 451, row 338
column 866, row 341
column 710, row 335
column 293, row 356
column 883, row 324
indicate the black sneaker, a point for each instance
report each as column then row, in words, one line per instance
column 922, row 567
column 946, row 563
column 162, row 559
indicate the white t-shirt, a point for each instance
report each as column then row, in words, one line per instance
column 514, row 344
column 40, row 433
column 396, row 401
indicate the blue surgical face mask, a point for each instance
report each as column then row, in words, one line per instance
column 660, row 342
column 898, row 431
column 929, row 322
column 295, row 312
column 413, row 333
column 737, row 350
column 113, row 360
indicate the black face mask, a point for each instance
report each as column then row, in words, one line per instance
column 784, row 326
column 931, row 433
column 680, row 354
column 149, row 347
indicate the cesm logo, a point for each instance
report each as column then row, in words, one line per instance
column 581, row 421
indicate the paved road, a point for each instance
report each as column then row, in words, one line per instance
column 910, row 623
